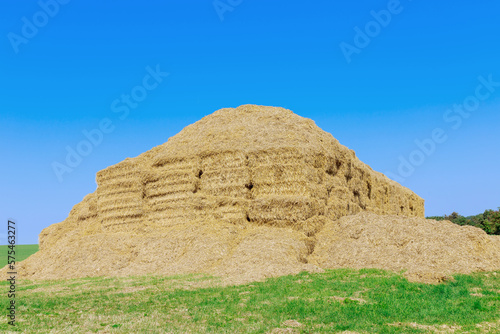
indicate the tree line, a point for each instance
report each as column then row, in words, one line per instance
column 489, row 220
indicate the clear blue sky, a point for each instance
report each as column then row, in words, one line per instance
column 401, row 85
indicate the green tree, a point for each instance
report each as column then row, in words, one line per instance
column 488, row 221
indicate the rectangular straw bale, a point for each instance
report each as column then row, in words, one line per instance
column 164, row 187
column 331, row 163
column 167, row 162
column 184, row 201
column 353, row 208
column 318, row 191
column 232, row 190
column 350, row 171
column 228, row 209
column 119, row 194
column 403, row 204
column 113, row 187
column 123, row 225
column 391, row 203
column 355, row 185
column 176, row 176
column 133, row 207
column 231, row 214
column 416, row 205
column 176, row 214
column 112, row 216
column 222, row 160
column 126, row 169
column 377, row 195
column 269, row 174
column 288, row 208
column 120, row 208
column 317, row 160
column 280, row 180
column 168, row 200
column 284, row 156
column 124, row 218
column 226, row 201
column 283, row 188
column 338, row 187
column 383, row 193
column 119, row 176
column 338, row 197
column 313, row 175
column 390, row 198
column 119, row 190
column 170, row 192
column 106, row 203
column 337, row 210
column 358, row 172
column 226, row 182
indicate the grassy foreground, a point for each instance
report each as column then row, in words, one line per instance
column 364, row 301
column 22, row 252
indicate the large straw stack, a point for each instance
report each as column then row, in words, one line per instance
column 259, row 165
column 256, row 181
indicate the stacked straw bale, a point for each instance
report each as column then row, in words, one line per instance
column 250, row 164
column 244, row 192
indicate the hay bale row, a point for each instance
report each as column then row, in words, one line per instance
column 120, row 196
column 250, row 178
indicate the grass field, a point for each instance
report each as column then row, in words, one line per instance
column 22, row 252
column 364, row 301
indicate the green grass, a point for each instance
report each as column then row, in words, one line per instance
column 364, row 301
column 22, row 252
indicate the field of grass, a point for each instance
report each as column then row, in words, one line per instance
column 22, row 252
column 362, row 301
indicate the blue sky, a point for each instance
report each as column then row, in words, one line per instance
column 63, row 64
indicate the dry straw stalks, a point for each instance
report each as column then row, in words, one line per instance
column 248, row 193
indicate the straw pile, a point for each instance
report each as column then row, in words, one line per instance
column 245, row 193
column 428, row 250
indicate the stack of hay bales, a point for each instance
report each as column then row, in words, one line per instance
column 243, row 193
column 262, row 165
